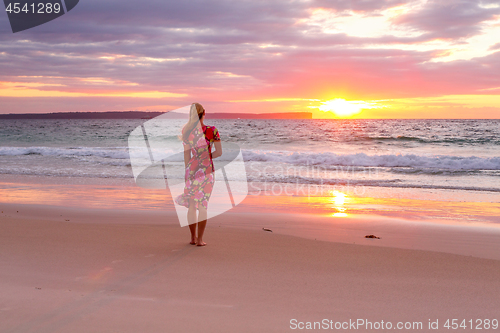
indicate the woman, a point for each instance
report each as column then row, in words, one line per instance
column 199, row 176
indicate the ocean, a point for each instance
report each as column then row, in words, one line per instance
column 460, row 155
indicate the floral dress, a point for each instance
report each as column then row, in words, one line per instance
column 199, row 176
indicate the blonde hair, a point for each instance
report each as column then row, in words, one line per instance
column 195, row 114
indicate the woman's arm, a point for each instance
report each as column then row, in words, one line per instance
column 218, row 149
column 187, row 155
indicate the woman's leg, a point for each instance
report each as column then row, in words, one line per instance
column 191, row 216
column 201, row 225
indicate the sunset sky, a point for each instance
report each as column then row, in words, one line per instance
column 361, row 59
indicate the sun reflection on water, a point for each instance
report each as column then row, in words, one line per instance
column 338, row 199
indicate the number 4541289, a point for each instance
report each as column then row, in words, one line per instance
column 40, row 8
column 484, row 324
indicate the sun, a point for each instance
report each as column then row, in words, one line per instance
column 342, row 108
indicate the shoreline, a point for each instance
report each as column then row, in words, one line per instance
column 402, row 220
column 481, row 241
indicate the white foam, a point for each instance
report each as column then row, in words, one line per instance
column 363, row 160
column 116, row 153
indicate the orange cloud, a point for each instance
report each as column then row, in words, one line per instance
column 29, row 89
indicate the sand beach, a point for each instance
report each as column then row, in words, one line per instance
column 97, row 268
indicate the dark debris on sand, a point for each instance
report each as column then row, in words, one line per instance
column 372, row 236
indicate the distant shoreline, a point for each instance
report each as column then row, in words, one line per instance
column 149, row 115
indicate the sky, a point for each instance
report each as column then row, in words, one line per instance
column 352, row 59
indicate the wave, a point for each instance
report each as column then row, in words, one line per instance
column 393, row 138
column 108, row 152
column 64, row 173
column 416, row 163
column 328, row 160
column 300, row 182
column 115, row 156
column 404, row 170
column 452, row 140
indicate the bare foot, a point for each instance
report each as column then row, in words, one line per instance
column 201, row 244
column 193, row 241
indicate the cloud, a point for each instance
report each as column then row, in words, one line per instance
column 495, row 47
column 359, row 5
column 250, row 50
column 449, row 19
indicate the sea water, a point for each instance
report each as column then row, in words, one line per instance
column 462, row 155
